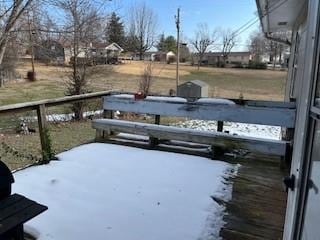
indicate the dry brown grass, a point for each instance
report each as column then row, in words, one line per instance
column 223, row 82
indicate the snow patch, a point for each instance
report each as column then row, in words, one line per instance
column 103, row 191
column 168, row 99
column 242, row 129
column 216, row 101
column 153, row 98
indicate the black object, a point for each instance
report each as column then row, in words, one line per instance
column 15, row 209
column 6, row 180
column 289, row 182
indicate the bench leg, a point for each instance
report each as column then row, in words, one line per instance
column 153, row 142
column 18, row 233
column 14, row 234
column 99, row 135
column 216, row 152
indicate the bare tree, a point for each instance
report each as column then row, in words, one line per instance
column 229, row 40
column 202, row 41
column 146, row 79
column 261, row 46
column 142, row 25
column 258, row 46
column 10, row 12
column 82, row 21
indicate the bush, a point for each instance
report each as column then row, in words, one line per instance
column 237, row 65
column 257, row 65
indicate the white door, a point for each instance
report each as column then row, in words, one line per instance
column 304, row 134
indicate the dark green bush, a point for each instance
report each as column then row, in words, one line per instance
column 257, row 65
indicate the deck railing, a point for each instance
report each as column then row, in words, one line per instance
column 41, row 108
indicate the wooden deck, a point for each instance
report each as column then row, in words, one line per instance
column 257, row 208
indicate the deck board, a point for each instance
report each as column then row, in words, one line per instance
column 257, row 208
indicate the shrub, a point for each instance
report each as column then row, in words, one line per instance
column 257, row 65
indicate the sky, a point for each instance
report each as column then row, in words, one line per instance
column 225, row 14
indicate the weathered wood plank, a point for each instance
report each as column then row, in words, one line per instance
column 174, row 133
column 22, row 107
column 257, row 208
column 275, row 115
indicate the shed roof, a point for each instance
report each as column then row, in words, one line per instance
column 196, row 82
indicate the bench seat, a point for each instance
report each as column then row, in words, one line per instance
column 16, row 210
column 216, row 139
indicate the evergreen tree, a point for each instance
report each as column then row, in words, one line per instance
column 161, row 44
column 167, row 44
column 115, row 30
column 170, row 44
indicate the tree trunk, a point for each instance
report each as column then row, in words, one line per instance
column 199, row 61
column 3, row 46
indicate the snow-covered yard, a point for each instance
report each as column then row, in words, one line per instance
column 103, row 191
column 242, row 129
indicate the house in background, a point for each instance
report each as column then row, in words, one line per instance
column 103, row 53
column 167, row 57
column 216, row 58
column 156, row 56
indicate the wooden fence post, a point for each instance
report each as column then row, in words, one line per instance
column 43, row 132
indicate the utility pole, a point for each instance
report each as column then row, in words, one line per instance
column 177, row 17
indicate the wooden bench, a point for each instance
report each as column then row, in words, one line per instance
column 15, row 210
column 253, row 112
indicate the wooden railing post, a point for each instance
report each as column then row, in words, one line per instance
column 43, row 132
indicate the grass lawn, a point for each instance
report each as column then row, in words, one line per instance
column 20, row 150
column 229, row 83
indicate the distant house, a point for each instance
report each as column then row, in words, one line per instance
column 50, row 51
column 104, row 50
column 156, row 56
column 106, row 53
column 214, row 58
column 98, row 53
column 164, row 57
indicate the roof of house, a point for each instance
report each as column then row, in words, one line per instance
column 276, row 15
column 114, row 46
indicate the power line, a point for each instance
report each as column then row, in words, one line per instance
column 247, row 25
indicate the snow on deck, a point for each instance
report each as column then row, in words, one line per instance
column 103, row 191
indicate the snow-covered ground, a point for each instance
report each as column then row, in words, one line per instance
column 251, row 130
column 103, row 191
column 61, row 117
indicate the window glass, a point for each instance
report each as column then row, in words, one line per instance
column 311, row 228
